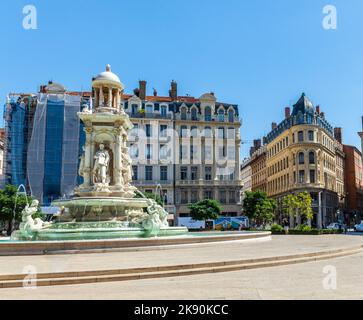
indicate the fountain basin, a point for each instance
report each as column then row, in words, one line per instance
column 83, row 209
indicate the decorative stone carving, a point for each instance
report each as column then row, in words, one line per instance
column 100, row 168
column 28, row 224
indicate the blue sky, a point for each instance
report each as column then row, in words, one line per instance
column 260, row 54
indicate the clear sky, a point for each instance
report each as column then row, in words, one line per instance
column 259, row 54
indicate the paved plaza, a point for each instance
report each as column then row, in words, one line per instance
column 298, row 281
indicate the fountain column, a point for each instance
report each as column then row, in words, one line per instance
column 118, row 158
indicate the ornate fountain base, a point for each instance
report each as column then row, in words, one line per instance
column 90, row 218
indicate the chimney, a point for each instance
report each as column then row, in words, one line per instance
column 257, row 143
column 322, row 114
column 318, row 109
column 173, row 92
column 287, row 112
column 155, row 93
column 142, row 88
column 137, row 92
column 273, row 125
column 362, row 123
column 338, row 134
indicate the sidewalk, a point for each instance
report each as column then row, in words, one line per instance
column 279, row 246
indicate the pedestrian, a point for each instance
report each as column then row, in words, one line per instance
column 285, row 223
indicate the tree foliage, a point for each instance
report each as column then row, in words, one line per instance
column 299, row 204
column 258, row 207
column 205, row 209
column 10, row 201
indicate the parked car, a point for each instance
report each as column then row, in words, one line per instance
column 335, row 226
column 359, row 227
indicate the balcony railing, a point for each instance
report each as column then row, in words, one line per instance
column 149, row 115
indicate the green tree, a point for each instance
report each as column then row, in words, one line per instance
column 151, row 195
column 258, row 207
column 298, row 205
column 205, row 209
column 305, row 207
column 10, row 201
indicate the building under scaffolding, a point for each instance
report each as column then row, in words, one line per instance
column 43, row 141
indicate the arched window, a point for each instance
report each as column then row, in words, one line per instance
column 221, row 115
column 194, row 114
column 207, row 114
column 301, row 158
column 231, row 115
column 311, row 157
column 183, row 114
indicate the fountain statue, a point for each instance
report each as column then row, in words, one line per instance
column 104, row 205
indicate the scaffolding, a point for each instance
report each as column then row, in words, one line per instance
column 42, row 143
column 18, row 121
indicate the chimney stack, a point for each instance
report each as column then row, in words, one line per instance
column 173, row 92
column 338, row 134
column 318, row 109
column 287, row 112
column 155, row 93
column 142, row 88
column 362, row 123
column 273, row 125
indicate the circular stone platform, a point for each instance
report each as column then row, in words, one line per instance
column 45, row 247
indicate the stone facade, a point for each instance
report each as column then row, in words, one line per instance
column 186, row 147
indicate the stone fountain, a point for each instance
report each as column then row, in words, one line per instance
column 104, row 205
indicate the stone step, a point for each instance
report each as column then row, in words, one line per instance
column 70, row 278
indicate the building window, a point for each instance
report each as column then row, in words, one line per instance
column 194, row 114
column 194, row 132
column 208, row 114
column 163, row 111
column 163, row 130
column 208, row 173
column 163, row 152
column 149, row 109
column 135, row 130
column 134, row 173
column 183, row 131
column 311, row 157
column 134, row 108
column 148, row 130
column 148, row 151
column 194, row 173
column 232, row 197
column 220, row 115
column 134, row 151
column 163, row 173
column 231, row 116
column 207, row 132
column 194, row 196
column 301, row 176
column 183, row 152
column 230, row 133
column 183, row 173
column 207, row 152
column 221, row 133
column 183, row 115
column 311, row 135
column 222, row 196
column 184, row 196
column 231, row 153
column 300, row 136
column 312, row 176
column 301, row 158
column 148, row 173
column 208, row 194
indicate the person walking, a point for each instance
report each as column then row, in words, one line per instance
column 286, row 224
